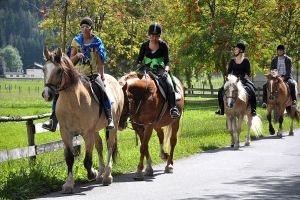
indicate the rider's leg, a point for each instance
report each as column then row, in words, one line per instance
column 221, row 101
column 252, row 98
column 293, row 92
column 105, row 101
column 52, row 124
column 265, row 96
column 174, row 112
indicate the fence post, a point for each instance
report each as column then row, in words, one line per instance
column 30, row 135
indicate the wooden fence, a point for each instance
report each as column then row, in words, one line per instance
column 208, row 93
column 34, row 149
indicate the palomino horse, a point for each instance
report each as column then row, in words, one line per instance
column 146, row 107
column 279, row 99
column 79, row 113
column 236, row 106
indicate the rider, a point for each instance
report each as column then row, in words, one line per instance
column 89, row 49
column 240, row 67
column 154, row 54
column 283, row 64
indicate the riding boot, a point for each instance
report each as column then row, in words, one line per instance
column 265, row 96
column 109, row 116
column 293, row 93
column 52, row 124
column 174, row 112
column 252, row 102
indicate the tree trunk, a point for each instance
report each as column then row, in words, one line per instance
column 65, row 26
column 211, row 87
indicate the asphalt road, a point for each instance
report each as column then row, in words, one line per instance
column 268, row 169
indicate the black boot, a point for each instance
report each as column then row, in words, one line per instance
column 221, row 102
column 109, row 116
column 220, row 111
column 52, row 124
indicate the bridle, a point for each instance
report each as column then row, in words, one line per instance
column 273, row 91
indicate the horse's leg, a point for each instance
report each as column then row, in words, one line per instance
column 291, row 133
column 99, row 148
column 89, row 145
column 229, row 126
column 143, row 151
column 280, row 120
column 173, row 141
column 149, row 169
column 269, row 117
column 69, row 157
column 249, row 123
column 160, row 134
column 235, row 134
column 107, row 177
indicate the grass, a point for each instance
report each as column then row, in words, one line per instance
column 200, row 130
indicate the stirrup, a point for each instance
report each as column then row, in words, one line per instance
column 219, row 112
column 110, row 124
column 264, row 105
column 294, row 103
column 174, row 112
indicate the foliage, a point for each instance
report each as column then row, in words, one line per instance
column 11, row 58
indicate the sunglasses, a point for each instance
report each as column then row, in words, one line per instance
column 85, row 26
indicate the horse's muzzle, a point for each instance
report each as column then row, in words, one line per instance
column 48, row 94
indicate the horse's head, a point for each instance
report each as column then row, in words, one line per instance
column 125, row 110
column 59, row 73
column 273, row 81
column 232, row 88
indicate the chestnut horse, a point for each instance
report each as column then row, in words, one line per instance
column 147, row 109
column 278, row 99
column 78, row 113
column 237, row 107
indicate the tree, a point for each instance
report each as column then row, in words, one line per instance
column 12, row 59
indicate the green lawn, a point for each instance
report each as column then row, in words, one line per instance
column 200, row 130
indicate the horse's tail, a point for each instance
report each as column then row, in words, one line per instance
column 296, row 114
column 256, row 125
column 115, row 148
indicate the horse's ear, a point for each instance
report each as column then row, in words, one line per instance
column 268, row 76
column 58, row 55
column 46, row 54
column 238, row 79
column 226, row 78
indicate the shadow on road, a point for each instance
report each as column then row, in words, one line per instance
column 265, row 187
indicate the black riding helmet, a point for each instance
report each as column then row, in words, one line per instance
column 154, row 29
column 241, row 46
column 87, row 21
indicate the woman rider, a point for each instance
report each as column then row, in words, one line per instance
column 240, row 67
column 89, row 49
column 154, row 54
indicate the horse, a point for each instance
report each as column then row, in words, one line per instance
column 278, row 99
column 147, row 109
column 237, row 107
column 78, row 113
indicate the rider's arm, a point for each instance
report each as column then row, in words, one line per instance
column 230, row 67
column 166, row 56
column 247, row 68
column 75, row 55
column 141, row 53
column 100, row 66
column 288, row 67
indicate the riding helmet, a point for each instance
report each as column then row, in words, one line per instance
column 154, row 29
column 241, row 46
column 87, row 21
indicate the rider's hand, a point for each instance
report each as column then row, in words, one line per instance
column 102, row 77
column 79, row 55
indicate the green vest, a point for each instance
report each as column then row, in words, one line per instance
column 154, row 63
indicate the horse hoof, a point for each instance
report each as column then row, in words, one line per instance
column 247, row 143
column 67, row 189
column 107, row 181
column 93, row 174
column 272, row 131
column 232, row 146
column 139, row 176
column 279, row 135
column 99, row 178
column 236, row 147
column 291, row 133
column 169, row 169
column 149, row 172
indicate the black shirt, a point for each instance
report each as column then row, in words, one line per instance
column 239, row 70
column 161, row 52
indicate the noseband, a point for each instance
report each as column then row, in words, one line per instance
column 274, row 92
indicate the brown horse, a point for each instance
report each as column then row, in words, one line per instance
column 279, row 99
column 237, row 107
column 147, row 110
column 78, row 113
